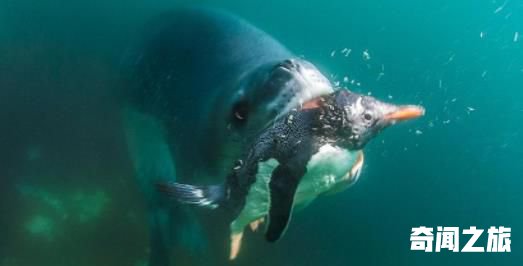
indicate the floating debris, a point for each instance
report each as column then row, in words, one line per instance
column 366, row 55
column 346, row 52
column 484, row 74
column 451, row 58
column 418, row 132
column 390, row 97
column 482, row 34
column 516, row 36
column 446, row 122
column 440, row 83
column 358, row 84
column 454, row 100
column 333, row 53
column 470, row 109
column 346, row 79
column 336, row 83
column 379, row 76
column 500, row 8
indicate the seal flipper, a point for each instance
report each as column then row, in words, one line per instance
column 283, row 185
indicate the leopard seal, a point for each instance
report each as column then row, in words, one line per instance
column 202, row 85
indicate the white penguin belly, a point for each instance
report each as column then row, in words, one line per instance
column 330, row 169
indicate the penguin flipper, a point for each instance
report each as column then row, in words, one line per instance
column 203, row 196
column 283, row 185
column 169, row 224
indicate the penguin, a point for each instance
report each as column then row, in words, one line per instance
column 312, row 150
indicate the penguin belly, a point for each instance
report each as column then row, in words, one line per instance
column 331, row 169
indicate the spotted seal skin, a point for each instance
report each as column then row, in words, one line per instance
column 201, row 87
column 294, row 160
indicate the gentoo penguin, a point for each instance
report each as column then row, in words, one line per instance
column 309, row 151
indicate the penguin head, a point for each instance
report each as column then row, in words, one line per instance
column 364, row 117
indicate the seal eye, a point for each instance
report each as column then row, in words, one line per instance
column 240, row 112
column 367, row 117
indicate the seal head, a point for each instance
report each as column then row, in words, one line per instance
column 274, row 89
column 265, row 93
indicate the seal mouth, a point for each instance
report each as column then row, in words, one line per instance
column 405, row 113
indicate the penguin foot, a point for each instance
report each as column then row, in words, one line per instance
column 236, row 243
column 254, row 225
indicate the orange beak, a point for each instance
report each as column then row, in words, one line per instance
column 405, row 113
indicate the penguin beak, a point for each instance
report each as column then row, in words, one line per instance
column 402, row 113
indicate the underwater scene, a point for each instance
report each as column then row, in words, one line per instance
column 176, row 132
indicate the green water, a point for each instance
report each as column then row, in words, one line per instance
column 67, row 195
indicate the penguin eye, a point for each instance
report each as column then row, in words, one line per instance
column 367, row 116
column 240, row 112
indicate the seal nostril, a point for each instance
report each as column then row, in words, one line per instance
column 287, row 64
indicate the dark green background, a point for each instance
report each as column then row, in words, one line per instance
column 60, row 63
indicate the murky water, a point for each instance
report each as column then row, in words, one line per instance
column 68, row 196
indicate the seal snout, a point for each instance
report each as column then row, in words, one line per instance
column 296, row 81
column 288, row 64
